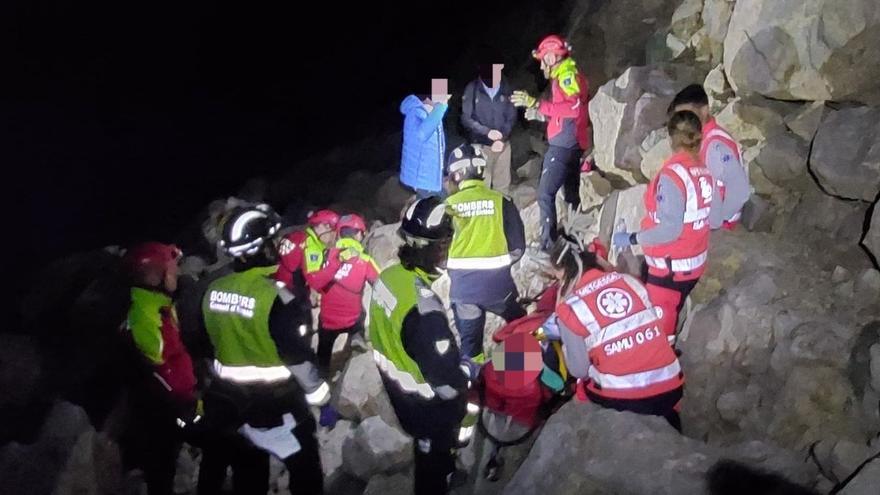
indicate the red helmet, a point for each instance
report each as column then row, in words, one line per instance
column 150, row 258
column 552, row 44
column 319, row 217
column 351, row 221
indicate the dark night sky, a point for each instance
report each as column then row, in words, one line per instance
column 120, row 120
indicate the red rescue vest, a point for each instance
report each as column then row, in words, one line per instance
column 629, row 355
column 685, row 256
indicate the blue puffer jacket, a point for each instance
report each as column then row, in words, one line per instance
column 424, row 145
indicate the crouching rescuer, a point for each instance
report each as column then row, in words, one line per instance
column 612, row 337
column 262, row 378
column 415, row 350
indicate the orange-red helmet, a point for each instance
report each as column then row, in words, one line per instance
column 552, row 44
column 328, row 217
column 150, row 258
column 351, row 221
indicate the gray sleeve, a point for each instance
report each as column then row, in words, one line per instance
column 724, row 163
column 670, row 212
column 576, row 358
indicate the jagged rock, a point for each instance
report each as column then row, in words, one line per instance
column 382, row 244
column 871, row 241
column 655, row 149
column 840, row 275
column 786, row 346
column 279, row 476
column 783, row 159
column 626, row 110
column 717, row 88
column 384, row 485
column 627, row 206
column 805, row 122
column 866, row 482
column 523, row 195
column 756, row 215
column 875, row 366
column 716, row 19
column 186, row 477
column 594, row 189
column 846, row 153
column 818, row 213
column 332, row 443
column 868, row 284
column 530, row 169
column 375, row 448
column 68, row 457
column 846, row 457
column 361, row 393
column 390, row 199
column 614, row 452
column 607, row 38
column 766, row 51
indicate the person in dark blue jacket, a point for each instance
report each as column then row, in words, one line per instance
column 424, row 144
column 488, row 115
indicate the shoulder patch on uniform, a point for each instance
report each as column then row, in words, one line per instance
column 314, row 257
column 428, row 300
column 442, row 346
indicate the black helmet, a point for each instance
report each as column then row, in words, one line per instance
column 467, row 160
column 426, row 221
column 247, row 230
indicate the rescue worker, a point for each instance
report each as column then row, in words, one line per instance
column 347, row 270
column 303, row 251
column 263, row 379
column 414, row 348
column 720, row 152
column 488, row 239
column 612, row 339
column 567, row 129
column 488, row 115
column 675, row 230
column 163, row 387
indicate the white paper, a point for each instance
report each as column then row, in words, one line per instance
column 278, row 441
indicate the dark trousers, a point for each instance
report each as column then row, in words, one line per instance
column 470, row 319
column 561, row 168
column 670, row 296
column 434, row 463
column 326, row 339
column 153, row 444
column 223, row 447
column 664, row 405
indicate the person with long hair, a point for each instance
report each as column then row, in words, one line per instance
column 675, row 230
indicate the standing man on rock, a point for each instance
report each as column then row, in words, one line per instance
column 721, row 153
column 567, row 129
column 415, row 350
column 489, row 238
column 488, row 115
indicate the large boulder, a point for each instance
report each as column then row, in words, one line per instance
column 68, row 457
column 607, row 37
column 871, row 241
column 382, row 243
column 375, row 448
column 627, row 109
column 384, row 485
column 846, row 153
column 865, row 482
column 624, row 210
column 786, row 337
column 360, row 392
column 606, row 451
column 332, row 443
column 804, row 49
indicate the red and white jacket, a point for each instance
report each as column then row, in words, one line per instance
column 629, row 356
column 341, row 281
column 685, row 256
column 713, row 132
